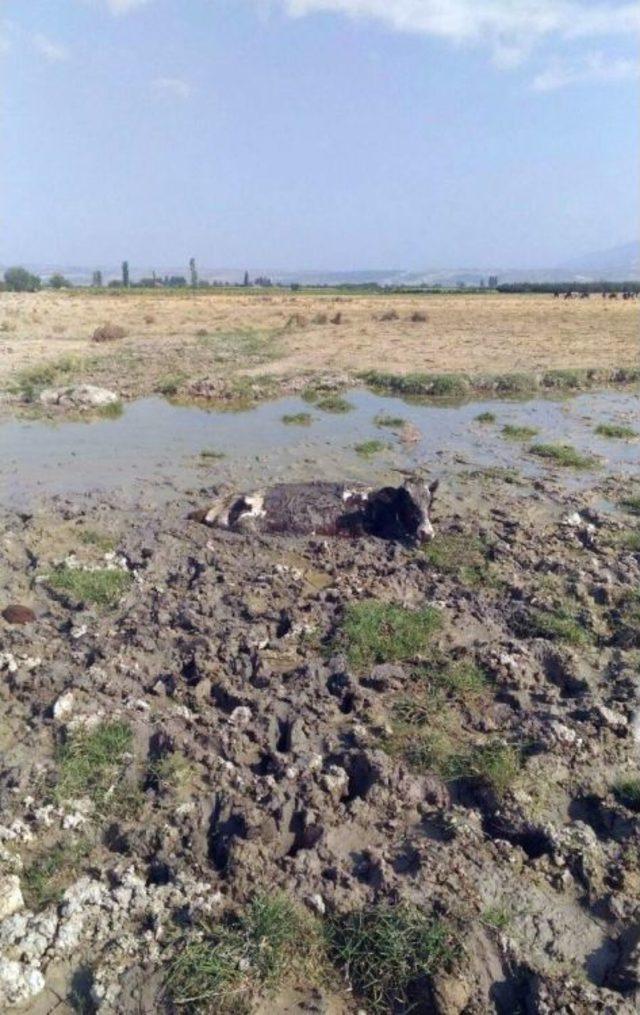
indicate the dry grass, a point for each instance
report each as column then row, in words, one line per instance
column 471, row 333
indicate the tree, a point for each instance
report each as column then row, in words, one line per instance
column 96, row 279
column 193, row 274
column 58, row 281
column 19, row 280
column 125, row 274
column 247, row 280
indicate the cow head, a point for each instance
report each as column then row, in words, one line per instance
column 414, row 508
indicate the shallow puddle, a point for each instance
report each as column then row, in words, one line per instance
column 155, row 448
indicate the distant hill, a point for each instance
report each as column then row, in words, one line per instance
column 622, row 262
column 617, row 264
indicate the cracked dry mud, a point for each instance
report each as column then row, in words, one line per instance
column 262, row 748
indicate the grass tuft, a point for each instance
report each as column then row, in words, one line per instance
column 486, row 417
column 334, row 403
column 387, row 951
column 616, row 430
column 564, row 455
column 461, row 555
column 631, row 505
column 101, row 541
column 224, row 970
column 557, row 625
column 101, row 586
column 518, row 433
column 91, row 763
column 627, row 792
column 383, row 419
column 50, row 873
column 297, row 419
column 169, row 385
column 375, row 632
column 368, row 448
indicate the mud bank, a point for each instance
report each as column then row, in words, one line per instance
column 195, row 722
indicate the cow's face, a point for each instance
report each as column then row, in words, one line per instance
column 415, row 507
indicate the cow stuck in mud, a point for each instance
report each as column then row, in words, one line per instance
column 327, row 509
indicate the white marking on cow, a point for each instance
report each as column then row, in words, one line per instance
column 348, row 495
column 256, row 506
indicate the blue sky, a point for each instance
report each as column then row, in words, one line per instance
column 336, row 134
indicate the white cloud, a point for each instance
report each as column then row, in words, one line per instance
column 594, row 67
column 176, row 87
column 51, row 51
column 510, row 28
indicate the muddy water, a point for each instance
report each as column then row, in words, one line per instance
column 155, row 448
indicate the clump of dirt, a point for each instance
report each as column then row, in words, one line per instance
column 291, row 774
column 108, row 333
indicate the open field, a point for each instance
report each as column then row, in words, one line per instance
column 185, row 336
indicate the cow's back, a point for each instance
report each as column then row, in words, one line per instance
column 303, row 507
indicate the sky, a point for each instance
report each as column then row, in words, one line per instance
column 318, row 134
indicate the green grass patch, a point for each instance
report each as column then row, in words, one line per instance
column 566, row 379
column 374, row 632
column 486, row 417
column 91, row 762
column 368, row 448
column 518, row 433
column 170, row 384
column 498, row 917
column 627, row 792
column 100, row 540
column 460, row 555
column 435, row 385
column 616, row 430
column 235, row 960
column 212, row 453
column 630, row 541
column 30, row 381
column 297, row 419
column 631, row 505
column 49, row 874
column 385, row 951
column 393, row 422
column 564, row 455
column 334, row 403
column 112, row 411
column 514, row 384
column 101, row 586
column 558, row 624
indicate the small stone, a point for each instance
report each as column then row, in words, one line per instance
column 17, row 614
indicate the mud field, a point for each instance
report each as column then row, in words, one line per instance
column 250, row 774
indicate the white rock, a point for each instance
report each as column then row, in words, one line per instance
column 63, row 706
column 10, row 895
column 79, row 394
column 19, row 982
column 8, row 662
column 613, row 719
column 241, row 716
column 317, row 904
column 335, row 780
column 573, row 520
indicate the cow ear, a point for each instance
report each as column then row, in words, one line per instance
column 432, row 487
